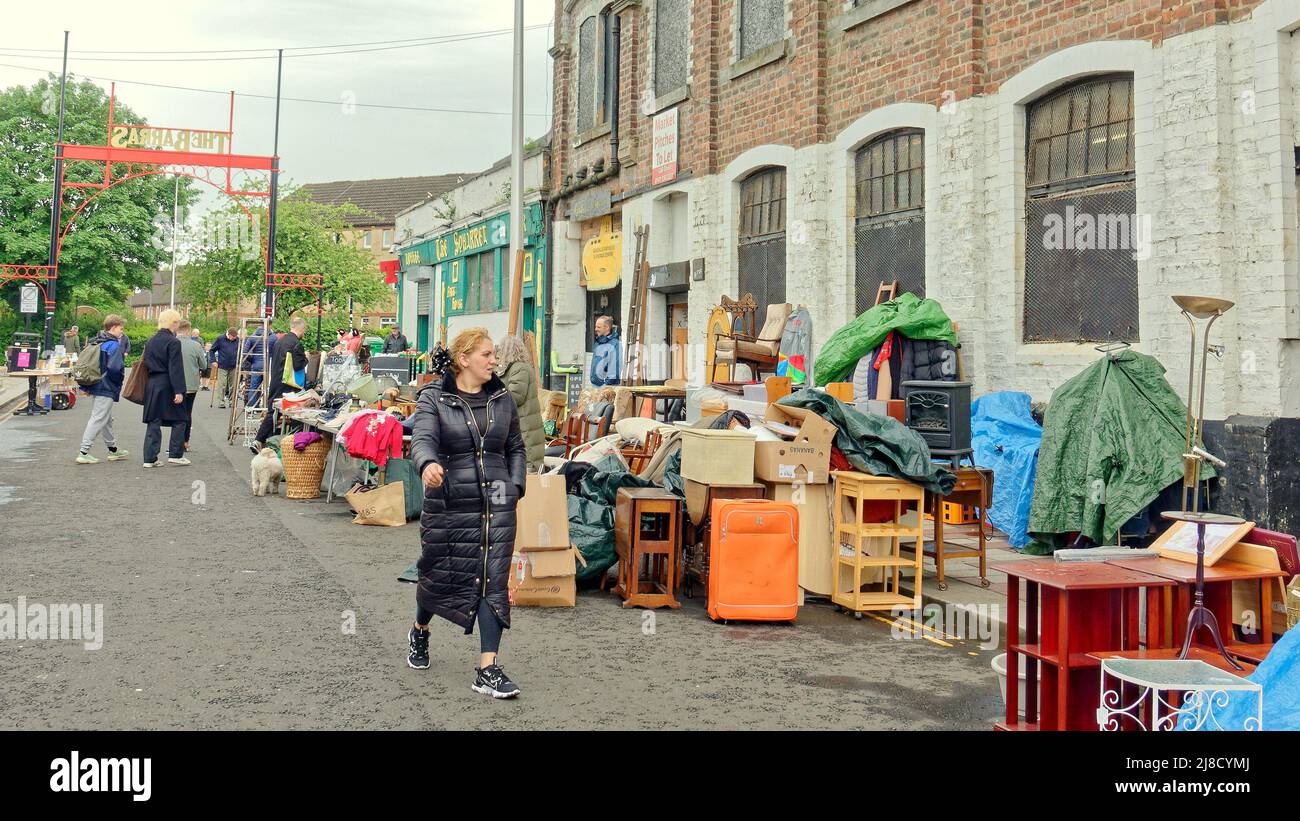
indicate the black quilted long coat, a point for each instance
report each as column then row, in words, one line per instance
column 467, row 526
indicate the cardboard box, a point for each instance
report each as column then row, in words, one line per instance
column 545, row 577
column 543, row 571
column 806, row 459
column 718, row 457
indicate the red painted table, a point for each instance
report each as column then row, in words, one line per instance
column 1077, row 608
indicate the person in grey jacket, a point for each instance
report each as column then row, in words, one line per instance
column 516, row 370
column 195, row 361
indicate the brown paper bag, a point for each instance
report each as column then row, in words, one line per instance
column 384, row 505
column 135, row 384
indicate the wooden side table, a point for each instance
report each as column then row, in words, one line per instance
column 858, row 488
column 974, row 488
column 1218, row 597
column 646, row 538
column 1072, row 610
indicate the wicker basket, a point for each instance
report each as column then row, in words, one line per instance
column 304, row 469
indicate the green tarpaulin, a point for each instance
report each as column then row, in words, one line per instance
column 911, row 316
column 879, row 445
column 1113, row 438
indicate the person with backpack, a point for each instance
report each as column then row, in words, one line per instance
column 100, row 369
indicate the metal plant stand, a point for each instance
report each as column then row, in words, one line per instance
column 1172, row 695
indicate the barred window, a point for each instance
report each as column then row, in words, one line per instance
column 762, row 23
column 672, row 42
column 889, row 231
column 1083, row 235
column 761, row 238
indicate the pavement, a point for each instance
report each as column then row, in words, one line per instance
column 222, row 610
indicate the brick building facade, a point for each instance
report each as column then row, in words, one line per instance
column 981, row 121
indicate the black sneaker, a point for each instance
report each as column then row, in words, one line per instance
column 493, row 681
column 418, row 658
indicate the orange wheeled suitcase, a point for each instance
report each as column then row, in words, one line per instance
column 753, row 560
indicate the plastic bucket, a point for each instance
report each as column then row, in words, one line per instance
column 1000, row 667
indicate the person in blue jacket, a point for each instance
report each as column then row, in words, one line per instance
column 255, row 349
column 225, row 354
column 606, row 357
column 114, row 345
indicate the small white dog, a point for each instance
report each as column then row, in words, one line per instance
column 266, row 472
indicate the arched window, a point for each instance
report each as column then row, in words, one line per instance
column 889, row 230
column 761, row 241
column 1083, row 235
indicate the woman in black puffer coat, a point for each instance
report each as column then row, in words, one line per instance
column 470, row 455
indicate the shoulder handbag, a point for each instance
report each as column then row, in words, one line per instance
column 135, row 384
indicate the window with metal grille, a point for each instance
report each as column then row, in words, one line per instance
column 672, row 40
column 761, row 240
column 1083, row 235
column 889, row 230
column 762, row 23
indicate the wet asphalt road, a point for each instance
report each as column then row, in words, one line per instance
column 226, row 611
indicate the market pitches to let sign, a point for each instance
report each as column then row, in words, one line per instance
column 176, row 139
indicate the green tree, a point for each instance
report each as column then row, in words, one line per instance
column 222, row 273
column 113, row 245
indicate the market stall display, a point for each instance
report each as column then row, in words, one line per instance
column 908, row 314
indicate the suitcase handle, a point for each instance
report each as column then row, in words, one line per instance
column 789, row 519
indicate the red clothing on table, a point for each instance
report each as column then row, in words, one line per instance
column 353, row 343
column 374, row 436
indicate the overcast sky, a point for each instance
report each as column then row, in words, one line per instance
column 318, row 142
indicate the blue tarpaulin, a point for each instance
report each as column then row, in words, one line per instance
column 1279, row 676
column 1006, row 439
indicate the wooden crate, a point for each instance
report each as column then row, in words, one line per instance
column 852, row 554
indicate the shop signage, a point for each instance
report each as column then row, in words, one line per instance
column 670, row 278
column 589, row 205
column 175, row 139
column 602, row 261
column 664, row 139
column 29, row 293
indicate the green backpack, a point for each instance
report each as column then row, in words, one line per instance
column 86, row 371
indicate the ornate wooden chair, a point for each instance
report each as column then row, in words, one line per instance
column 760, row 350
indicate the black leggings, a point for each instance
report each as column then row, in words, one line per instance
column 489, row 626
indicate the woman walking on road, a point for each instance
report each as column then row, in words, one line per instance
column 516, row 371
column 470, row 455
column 164, row 393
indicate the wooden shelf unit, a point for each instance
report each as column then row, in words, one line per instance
column 858, row 488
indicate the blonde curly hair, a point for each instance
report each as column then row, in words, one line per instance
column 465, row 343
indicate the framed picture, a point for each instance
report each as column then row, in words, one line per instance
column 1179, row 541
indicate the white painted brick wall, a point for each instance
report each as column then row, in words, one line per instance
column 1215, row 176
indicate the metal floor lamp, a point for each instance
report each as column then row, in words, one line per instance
column 1194, row 308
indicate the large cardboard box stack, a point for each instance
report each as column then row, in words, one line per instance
column 545, row 561
column 806, row 459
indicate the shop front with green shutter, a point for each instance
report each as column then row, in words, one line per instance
column 473, row 274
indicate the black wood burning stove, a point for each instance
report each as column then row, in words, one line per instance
column 940, row 412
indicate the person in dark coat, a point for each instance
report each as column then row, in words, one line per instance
column 287, row 347
column 395, row 342
column 224, row 353
column 164, row 393
column 470, row 455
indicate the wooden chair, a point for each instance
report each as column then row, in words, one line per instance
column 639, row 456
column 573, row 433
column 758, row 350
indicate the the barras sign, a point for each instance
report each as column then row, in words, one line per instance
column 175, row 139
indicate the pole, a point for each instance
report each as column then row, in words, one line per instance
column 275, row 184
column 517, row 160
column 55, row 216
column 176, row 193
